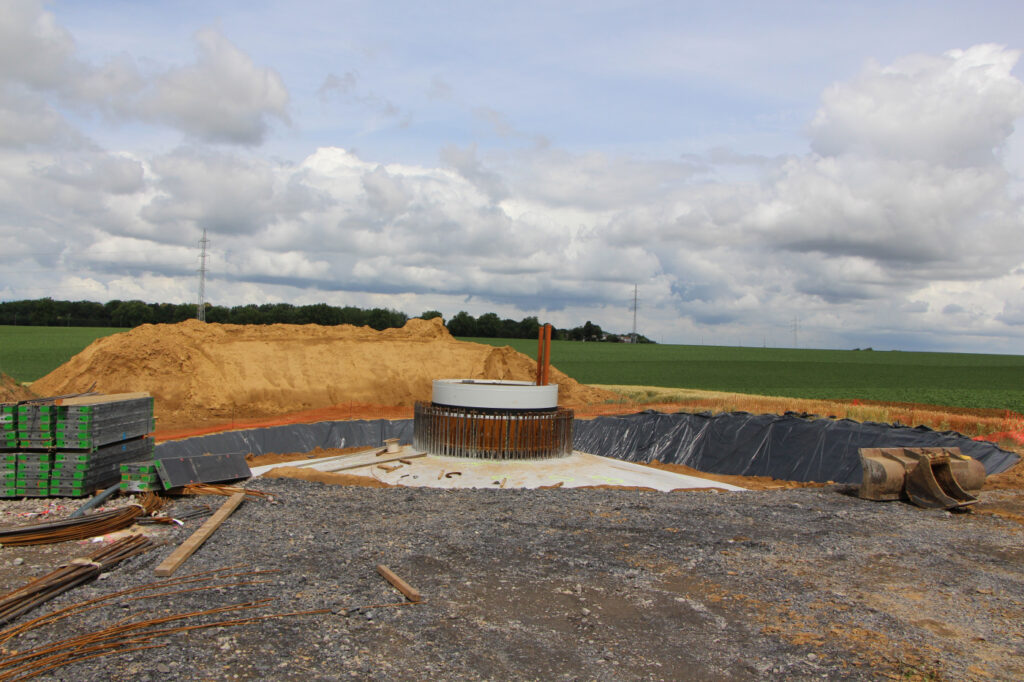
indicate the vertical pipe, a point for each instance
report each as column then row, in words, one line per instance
column 540, row 354
column 547, row 354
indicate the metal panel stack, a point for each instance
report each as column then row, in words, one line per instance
column 8, row 427
column 71, row 447
column 138, row 477
column 94, row 435
column 29, row 439
column 81, row 472
column 8, row 448
column 89, row 425
column 37, row 426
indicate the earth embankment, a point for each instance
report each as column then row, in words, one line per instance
column 206, row 373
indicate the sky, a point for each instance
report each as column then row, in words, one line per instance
column 810, row 174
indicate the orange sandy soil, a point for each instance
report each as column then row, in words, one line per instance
column 11, row 391
column 1011, row 479
column 748, row 482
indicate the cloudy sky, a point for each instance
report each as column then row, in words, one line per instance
column 833, row 175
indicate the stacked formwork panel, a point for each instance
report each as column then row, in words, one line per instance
column 8, row 448
column 72, row 447
column 137, row 477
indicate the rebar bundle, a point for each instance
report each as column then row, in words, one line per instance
column 82, row 527
column 74, row 573
column 492, row 434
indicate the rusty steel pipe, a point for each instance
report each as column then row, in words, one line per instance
column 547, row 354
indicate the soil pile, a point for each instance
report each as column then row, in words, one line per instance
column 204, row 373
column 11, row 391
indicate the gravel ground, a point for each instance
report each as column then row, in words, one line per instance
column 572, row 584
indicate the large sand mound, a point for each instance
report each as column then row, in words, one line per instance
column 202, row 372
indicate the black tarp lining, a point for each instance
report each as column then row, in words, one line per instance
column 786, row 447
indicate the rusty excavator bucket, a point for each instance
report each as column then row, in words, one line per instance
column 933, row 478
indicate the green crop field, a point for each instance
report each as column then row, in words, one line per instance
column 27, row 353
column 953, row 379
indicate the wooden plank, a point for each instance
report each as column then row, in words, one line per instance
column 405, row 588
column 187, row 548
column 370, row 464
column 98, row 399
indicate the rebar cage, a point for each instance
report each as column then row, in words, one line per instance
column 492, row 434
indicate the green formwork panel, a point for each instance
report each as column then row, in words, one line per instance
column 68, row 492
column 132, row 468
column 149, row 478
column 71, row 466
column 140, row 487
column 32, row 458
column 73, row 474
column 32, row 482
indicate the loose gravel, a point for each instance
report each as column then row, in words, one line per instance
column 575, row 584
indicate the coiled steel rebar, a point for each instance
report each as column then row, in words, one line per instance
column 82, row 527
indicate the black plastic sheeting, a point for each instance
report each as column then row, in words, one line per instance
column 785, row 447
column 290, row 438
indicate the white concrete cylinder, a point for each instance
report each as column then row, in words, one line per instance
column 495, row 394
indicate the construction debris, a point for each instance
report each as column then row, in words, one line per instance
column 933, row 478
column 82, row 527
column 187, row 548
column 214, row 489
column 124, row 637
column 405, row 588
column 63, row 578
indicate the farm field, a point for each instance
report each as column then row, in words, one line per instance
column 27, row 353
column 949, row 379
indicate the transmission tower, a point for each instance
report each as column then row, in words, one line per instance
column 201, row 304
column 634, row 307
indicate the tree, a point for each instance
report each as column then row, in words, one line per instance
column 44, row 312
column 246, row 314
column 381, row 318
column 462, row 324
column 132, row 314
column 488, row 325
column 431, row 314
column 320, row 313
column 528, row 328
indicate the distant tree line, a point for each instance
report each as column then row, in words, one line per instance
column 50, row 313
column 489, row 325
column 47, row 312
